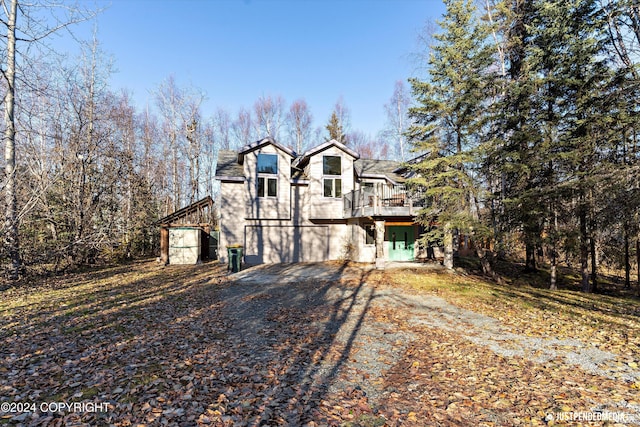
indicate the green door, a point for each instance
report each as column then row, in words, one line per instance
column 400, row 243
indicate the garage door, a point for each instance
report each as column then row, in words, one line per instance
column 275, row 244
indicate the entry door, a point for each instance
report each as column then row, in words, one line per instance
column 400, row 243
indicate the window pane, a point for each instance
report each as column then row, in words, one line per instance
column 370, row 234
column 332, row 165
column 260, row 187
column 267, row 163
column 328, row 188
column 272, row 191
column 338, row 192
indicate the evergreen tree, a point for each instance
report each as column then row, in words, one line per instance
column 334, row 128
column 448, row 121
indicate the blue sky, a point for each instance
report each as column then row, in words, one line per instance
column 236, row 51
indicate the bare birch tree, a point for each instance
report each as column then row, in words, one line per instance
column 299, row 121
column 11, row 200
column 269, row 114
column 243, row 128
column 397, row 119
column 34, row 30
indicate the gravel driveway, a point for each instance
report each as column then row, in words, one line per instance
column 359, row 348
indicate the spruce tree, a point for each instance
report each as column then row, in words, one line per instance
column 448, row 121
column 335, row 130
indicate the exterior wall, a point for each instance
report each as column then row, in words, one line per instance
column 300, row 205
column 340, row 238
column 232, row 201
column 278, row 207
column 276, row 243
column 367, row 252
column 360, row 251
column 328, row 207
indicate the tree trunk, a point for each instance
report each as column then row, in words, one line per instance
column 553, row 285
column 485, row 257
column 594, row 264
column 627, row 263
column 530, row 256
column 448, row 246
column 584, row 251
column 11, row 200
column 638, row 262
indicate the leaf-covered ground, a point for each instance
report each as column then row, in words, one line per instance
column 187, row 346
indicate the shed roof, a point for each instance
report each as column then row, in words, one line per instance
column 196, row 208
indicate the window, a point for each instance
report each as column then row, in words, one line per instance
column 369, row 234
column 332, row 187
column 332, row 165
column 268, row 163
column 270, row 184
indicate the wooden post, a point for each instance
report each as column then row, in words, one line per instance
column 164, row 245
column 379, row 244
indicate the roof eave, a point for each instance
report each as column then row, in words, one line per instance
column 264, row 141
column 230, row 178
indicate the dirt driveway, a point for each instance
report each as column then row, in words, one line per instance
column 311, row 345
column 399, row 357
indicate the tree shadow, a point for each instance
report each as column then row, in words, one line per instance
column 185, row 344
column 301, row 333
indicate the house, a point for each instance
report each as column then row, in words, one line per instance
column 326, row 204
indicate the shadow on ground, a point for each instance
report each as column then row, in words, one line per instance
column 183, row 345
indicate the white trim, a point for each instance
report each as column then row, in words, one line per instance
column 378, row 176
column 300, row 181
column 231, row 178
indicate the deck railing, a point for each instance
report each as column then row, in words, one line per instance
column 382, row 199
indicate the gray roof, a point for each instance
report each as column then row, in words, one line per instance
column 264, row 141
column 228, row 165
column 302, row 160
column 371, row 168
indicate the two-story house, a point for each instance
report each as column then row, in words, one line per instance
column 326, row 204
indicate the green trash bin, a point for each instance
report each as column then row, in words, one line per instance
column 235, row 258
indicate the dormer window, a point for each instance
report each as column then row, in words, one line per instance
column 332, row 171
column 267, row 175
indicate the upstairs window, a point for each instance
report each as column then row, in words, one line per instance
column 332, row 165
column 332, row 187
column 267, row 187
column 267, row 168
column 268, row 163
column 332, row 169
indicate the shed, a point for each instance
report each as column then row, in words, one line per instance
column 187, row 236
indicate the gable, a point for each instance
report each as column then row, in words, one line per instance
column 257, row 145
column 332, row 145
